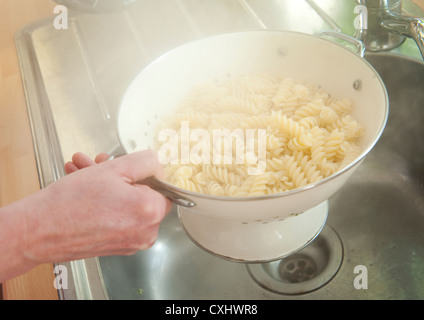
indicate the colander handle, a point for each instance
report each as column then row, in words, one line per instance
column 162, row 188
column 359, row 45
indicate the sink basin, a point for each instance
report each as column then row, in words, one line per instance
column 372, row 246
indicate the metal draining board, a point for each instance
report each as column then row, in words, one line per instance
column 74, row 79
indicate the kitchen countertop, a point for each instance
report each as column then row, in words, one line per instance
column 18, row 171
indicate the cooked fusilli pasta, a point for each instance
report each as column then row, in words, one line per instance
column 309, row 136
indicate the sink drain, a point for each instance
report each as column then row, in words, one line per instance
column 304, row 271
column 297, row 268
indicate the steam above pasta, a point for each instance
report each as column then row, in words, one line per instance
column 308, row 134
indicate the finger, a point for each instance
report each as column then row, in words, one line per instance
column 81, row 160
column 149, row 238
column 138, row 165
column 70, row 167
column 153, row 205
column 169, row 205
column 161, row 173
column 101, row 157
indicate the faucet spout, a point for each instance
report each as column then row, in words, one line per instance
column 387, row 27
column 406, row 26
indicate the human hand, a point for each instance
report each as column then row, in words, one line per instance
column 97, row 209
column 81, row 161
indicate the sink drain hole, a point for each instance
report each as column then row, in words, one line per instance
column 304, row 271
column 297, row 268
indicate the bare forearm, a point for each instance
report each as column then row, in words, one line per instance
column 30, row 230
column 14, row 242
column 94, row 211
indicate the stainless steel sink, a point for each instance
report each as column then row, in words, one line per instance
column 375, row 222
column 74, row 80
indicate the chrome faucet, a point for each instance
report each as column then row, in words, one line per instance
column 386, row 27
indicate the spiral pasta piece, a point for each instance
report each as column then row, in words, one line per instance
column 309, row 135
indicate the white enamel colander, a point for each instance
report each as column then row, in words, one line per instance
column 263, row 228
